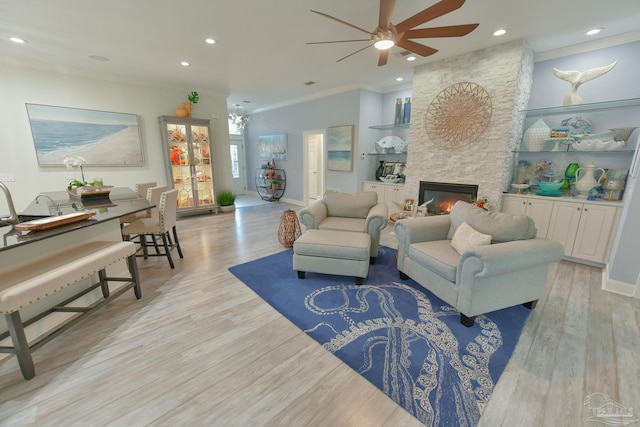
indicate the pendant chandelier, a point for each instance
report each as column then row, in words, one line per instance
column 238, row 120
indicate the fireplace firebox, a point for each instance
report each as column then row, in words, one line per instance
column 441, row 196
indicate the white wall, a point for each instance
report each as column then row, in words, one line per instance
column 22, row 84
column 335, row 110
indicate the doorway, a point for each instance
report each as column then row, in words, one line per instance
column 238, row 169
column 313, row 161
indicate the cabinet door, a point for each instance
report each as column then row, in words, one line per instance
column 202, row 174
column 593, row 232
column 564, row 224
column 393, row 194
column 378, row 188
column 540, row 211
column 514, row 205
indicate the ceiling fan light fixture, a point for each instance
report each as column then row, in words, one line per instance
column 383, row 40
column 384, row 44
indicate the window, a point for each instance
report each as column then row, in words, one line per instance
column 235, row 161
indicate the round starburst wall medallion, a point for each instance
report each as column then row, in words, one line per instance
column 458, row 115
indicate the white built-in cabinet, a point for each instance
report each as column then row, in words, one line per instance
column 586, row 229
column 583, row 229
column 538, row 209
column 387, row 193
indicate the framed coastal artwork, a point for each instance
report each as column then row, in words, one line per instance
column 340, row 148
column 273, row 147
column 100, row 137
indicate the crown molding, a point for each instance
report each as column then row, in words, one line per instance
column 588, row 46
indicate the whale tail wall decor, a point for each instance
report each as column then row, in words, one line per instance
column 576, row 78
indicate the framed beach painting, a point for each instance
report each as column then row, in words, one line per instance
column 340, row 148
column 100, row 137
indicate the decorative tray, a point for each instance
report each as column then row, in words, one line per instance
column 90, row 191
column 53, row 221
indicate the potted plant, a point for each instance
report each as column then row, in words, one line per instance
column 186, row 108
column 226, row 200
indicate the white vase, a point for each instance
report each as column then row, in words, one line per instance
column 586, row 180
column 535, row 138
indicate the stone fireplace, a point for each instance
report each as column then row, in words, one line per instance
column 504, row 71
column 441, row 196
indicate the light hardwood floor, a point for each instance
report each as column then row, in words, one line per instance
column 200, row 348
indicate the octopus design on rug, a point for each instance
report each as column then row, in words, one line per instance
column 416, row 361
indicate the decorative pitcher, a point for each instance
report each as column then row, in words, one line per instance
column 586, row 180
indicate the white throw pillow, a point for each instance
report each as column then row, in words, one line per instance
column 466, row 238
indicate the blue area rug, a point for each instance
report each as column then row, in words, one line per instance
column 399, row 336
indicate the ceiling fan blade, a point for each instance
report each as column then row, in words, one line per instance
column 386, row 10
column 340, row 41
column 441, row 8
column 382, row 59
column 417, row 48
column 450, row 31
column 341, row 21
column 351, row 54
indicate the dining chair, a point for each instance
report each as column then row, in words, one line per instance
column 152, row 194
column 141, row 188
column 157, row 228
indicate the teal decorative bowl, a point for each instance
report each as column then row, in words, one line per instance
column 550, row 187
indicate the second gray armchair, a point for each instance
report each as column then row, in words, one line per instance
column 359, row 212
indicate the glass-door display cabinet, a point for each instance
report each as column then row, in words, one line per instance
column 187, row 152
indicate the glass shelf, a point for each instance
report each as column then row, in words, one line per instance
column 583, row 107
column 387, row 154
column 391, row 126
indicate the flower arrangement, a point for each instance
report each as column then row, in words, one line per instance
column 481, row 202
column 72, row 163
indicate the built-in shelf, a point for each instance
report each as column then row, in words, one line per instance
column 583, row 107
column 391, row 126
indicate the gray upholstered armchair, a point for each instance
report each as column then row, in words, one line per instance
column 476, row 261
column 348, row 212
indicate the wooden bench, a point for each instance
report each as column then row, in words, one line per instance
column 23, row 285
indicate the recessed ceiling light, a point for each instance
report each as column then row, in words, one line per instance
column 185, row 64
column 210, row 41
column 499, row 32
column 17, row 40
column 411, row 58
column 399, row 79
column 594, row 31
column 99, row 58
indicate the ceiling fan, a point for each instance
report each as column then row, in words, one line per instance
column 386, row 35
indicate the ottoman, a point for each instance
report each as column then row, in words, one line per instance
column 344, row 253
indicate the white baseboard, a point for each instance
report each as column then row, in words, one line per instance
column 619, row 287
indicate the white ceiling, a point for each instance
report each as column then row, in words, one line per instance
column 261, row 56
